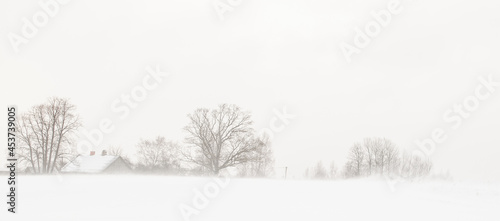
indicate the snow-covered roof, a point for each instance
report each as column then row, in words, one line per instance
column 89, row 164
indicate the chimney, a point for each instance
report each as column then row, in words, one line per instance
column 92, row 153
column 104, row 153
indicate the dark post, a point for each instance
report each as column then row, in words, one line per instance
column 286, row 170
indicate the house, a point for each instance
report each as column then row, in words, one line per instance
column 97, row 164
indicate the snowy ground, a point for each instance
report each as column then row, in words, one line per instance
column 164, row 198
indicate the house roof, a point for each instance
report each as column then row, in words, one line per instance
column 89, row 164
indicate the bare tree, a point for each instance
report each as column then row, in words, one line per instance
column 414, row 166
column 381, row 155
column 45, row 134
column 373, row 151
column 320, row 171
column 384, row 153
column 333, row 170
column 392, row 159
column 349, row 169
column 115, row 151
column 356, row 161
column 220, row 138
column 261, row 161
column 158, row 155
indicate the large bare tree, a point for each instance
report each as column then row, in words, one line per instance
column 45, row 133
column 220, row 138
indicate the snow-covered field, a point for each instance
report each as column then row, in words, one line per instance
column 134, row 197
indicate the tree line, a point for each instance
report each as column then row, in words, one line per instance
column 381, row 156
column 375, row 156
column 217, row 140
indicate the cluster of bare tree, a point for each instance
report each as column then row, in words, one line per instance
column 217, row 140
column 381, row 156
column 45, row 133
column 158, row 155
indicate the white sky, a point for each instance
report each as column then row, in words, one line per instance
column 268, row 55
